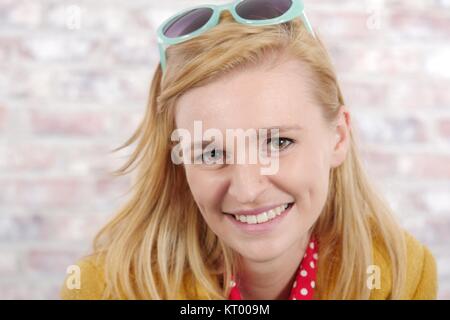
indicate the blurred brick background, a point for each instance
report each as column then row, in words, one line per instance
column 73, row 85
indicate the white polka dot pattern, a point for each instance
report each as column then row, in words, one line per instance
column 306, row 277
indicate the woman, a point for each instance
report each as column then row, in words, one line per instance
column 313, row 228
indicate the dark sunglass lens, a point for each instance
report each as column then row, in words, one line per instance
column 188, row 22
column 262, row 9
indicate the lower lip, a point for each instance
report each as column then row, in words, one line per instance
column 260, row 227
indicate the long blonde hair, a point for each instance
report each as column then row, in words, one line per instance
column 159, row 247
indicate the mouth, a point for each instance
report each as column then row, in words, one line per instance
column 265, row 216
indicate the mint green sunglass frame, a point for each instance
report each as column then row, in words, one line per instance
column 296, row 10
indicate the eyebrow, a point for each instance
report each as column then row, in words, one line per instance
column 205, row 143
column 285, row 128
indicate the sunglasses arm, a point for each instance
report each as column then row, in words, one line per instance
column 162, row 56
column 307, row 23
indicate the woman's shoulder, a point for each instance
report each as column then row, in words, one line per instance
column 421, row 270
column 85, row 280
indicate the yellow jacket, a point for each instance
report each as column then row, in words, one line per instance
column 421, row 275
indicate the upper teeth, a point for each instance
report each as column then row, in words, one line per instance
column 262, row 217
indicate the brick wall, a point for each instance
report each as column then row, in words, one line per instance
column 73, row 85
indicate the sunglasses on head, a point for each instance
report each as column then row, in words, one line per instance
column 194, row 21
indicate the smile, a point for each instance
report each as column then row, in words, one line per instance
column 264, row 216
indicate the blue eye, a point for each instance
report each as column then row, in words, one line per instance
column 210, row 157
column 280, row 143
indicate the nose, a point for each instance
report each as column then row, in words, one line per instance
column 247, row 183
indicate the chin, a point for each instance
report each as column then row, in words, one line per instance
column 262, row 252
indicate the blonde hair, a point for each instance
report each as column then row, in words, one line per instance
column 159, row 247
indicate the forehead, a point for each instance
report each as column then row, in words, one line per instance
column 249, row 98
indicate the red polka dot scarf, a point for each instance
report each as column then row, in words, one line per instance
column 305, row 282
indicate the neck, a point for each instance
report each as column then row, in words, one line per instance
column 272, row 279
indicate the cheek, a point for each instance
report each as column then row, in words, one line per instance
column 305, row 176
column 197, row 185
column 205, row 190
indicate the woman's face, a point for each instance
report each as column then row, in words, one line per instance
column 308, row 147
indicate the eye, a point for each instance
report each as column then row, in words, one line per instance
column 280, row 143
column 211, row 157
